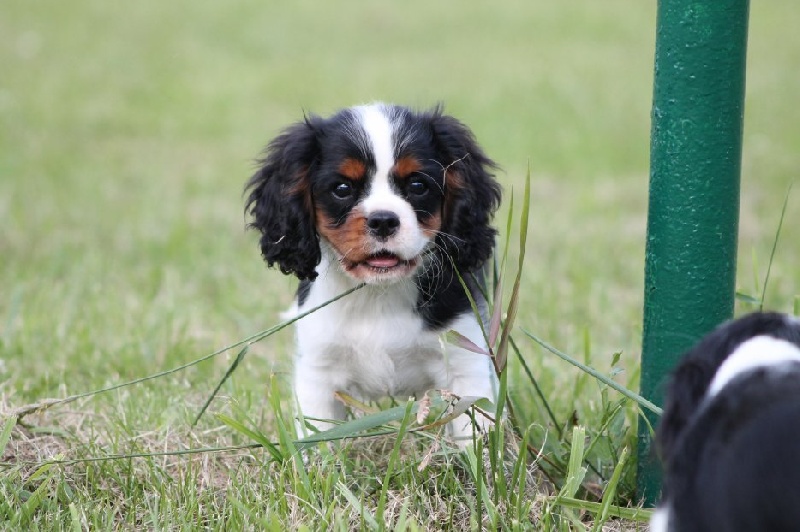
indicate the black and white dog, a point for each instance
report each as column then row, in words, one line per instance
column 399, row 200
column 730, row 434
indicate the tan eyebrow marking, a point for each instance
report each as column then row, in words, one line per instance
column 405, row 166
column 353, row 169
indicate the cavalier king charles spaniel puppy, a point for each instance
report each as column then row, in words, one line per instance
column 400, row 201
column 729, row 437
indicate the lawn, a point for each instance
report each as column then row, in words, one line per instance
column 127, row 132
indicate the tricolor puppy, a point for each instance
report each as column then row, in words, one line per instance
column 400, row 200
column 730, row 434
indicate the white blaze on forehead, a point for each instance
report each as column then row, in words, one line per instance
column 379, row 133
column 409, row 240
column 758, row 352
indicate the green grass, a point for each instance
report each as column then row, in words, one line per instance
column 126, row 135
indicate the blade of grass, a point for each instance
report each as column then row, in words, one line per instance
column 30, row 506
column 111, row 457
column 5, row 433
column 256, row 436
column 518, row 479
column 394, row 459
column 75, row 518
column 774, row 247
column 610, row 492
column 741, row 296
column 496, row 444
column 537, row 388
column 474, row 460
column 354, row 403
column 756, row 280
column 244, row 509
column 575, row 471
column 474, row 306
column 308, row 493
column 609, row 416
column 358, row 426
column 501, row 356
column 253, row 338
column 356, row 503
column 459, row 340
column 596, row 374
column 633, row 514
column 225, row 377
column 497, row 312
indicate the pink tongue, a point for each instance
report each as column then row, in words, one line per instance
column 383, row 261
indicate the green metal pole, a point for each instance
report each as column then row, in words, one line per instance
column 693, row 214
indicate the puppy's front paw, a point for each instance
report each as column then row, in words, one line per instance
column 464, row 429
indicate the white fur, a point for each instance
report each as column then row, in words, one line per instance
column 373, row 343
column 659, row 521
column 372, row 118
column 409, row 241
column 757, row 352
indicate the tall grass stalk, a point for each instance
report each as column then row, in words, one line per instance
column 774, row 247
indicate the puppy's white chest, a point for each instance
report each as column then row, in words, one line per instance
column 373, row 354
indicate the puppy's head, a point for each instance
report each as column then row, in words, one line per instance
column 732, row 350
column 377, row 188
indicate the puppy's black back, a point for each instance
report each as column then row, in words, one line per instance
column 689, row 382
column 737, row 466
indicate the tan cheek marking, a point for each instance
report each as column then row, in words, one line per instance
column 453, row 183
column 432, row 224
column 348, row 239
column 405, row 166
column 353, row 169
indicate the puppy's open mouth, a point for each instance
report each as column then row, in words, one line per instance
column 383, row 262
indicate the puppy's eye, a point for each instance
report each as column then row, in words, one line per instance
column 342, row 190
column 417, row 187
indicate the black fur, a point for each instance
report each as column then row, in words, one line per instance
column 736, row 465
column 279, row 201
column 300, row 168
column 732, row 461
column 303, row 289
column 470, row 207
column 690, row 380
column 442, row 297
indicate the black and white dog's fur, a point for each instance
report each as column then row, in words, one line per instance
column 730, row 434
column 399, row 200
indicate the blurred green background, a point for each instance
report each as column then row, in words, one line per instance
column 127, row 132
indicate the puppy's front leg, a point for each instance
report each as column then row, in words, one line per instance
column 316, row 401
column 471, row 374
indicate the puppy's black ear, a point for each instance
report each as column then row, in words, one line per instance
column 471, row 194
column 280, row 201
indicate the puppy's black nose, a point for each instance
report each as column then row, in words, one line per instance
column 383, row 224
